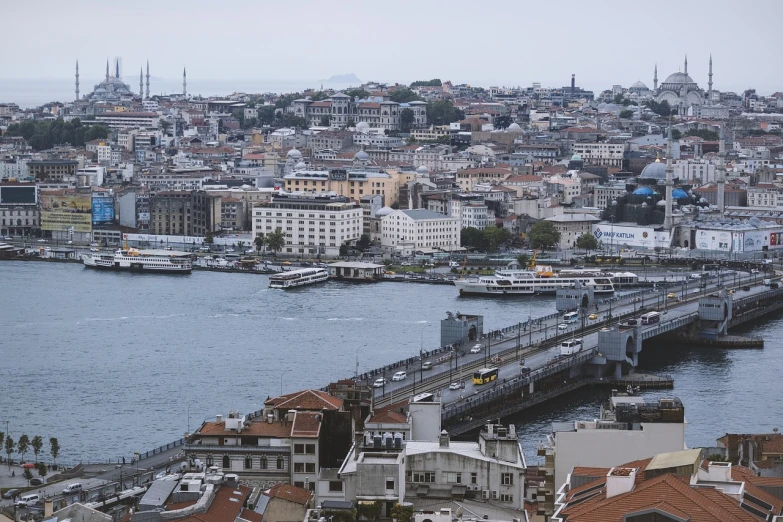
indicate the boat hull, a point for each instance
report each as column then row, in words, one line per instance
column 136, row 267
column 470, row 288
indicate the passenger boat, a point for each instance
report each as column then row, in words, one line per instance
column 132, row 260
column 540, row 280
column 301, row 277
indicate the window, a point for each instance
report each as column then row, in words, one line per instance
column 298, row 467
column 310, row 449
column 452, row 477
column 248, row 463
column 226, row 462
column 505, row 497
column 507, row 479
column 335, row 485
column 310, row 467
column 423, row 476
column 280, row 463
column 474, row 478
column 263, row 463
column 389, row 484
column 210, row 461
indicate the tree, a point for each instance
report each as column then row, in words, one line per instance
column 259, row 242
column 494, row 236
column 326, row 120
column 23, row 446
column 37, row 444
column 704, row 134
column 286, row 100
column 28, row 475
column 406, row 120
column 661, row 109
column 209, row 239
column 502, row 122
column 54, row 448
column 344, row 250
column 618, row 98
column 435, row 82
column 319, row 96
column 364, row 242
column 164, row 125
column 404, row 95
column 239, row 114
column 523, row 259
column 2, row 438
column 443, row 112
column 241, row 246
column 356, row 93
column 350, row 123
column 471, row 237
column 626, row 114
column 42, row 469
column 275, row 241
column 543, row 235
column 289, row 120
column 587, row 242
column 10, row 446
column 266, row 115
column 402, row 513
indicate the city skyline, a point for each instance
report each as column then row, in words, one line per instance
column 527, row 44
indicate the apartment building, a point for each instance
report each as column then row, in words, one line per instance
column 604, row 194
column 177, row 179
column 407, row 231
column 765, row 195
column 184, row 213
column 351, row 183
column 52, row 170
column 467, row 178
column 314, row 223
column 123, row 120
column 601, row 153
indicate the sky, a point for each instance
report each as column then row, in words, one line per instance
column 505, row 42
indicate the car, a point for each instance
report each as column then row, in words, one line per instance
column 36, row 482
column 8, row 238
column 754, row 271
column 453, row 264
column 169, row 248
column 579, row 267
column 93, row 244
column 592, row 317
column 11, row 493
column 562, row 326
column 426, row 366
column 379, row 383
column 406, row 264
column 455, row 386
column 399, row 376
column 42, row 241
column 476, row 349
column 93, row 249
column 69, row 242
column 746, row 288
column 671, row 295
column 229, row 250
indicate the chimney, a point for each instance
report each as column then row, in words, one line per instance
column 619, row 481
column 573, row 84
column 357, row 444
column 719, row 471
column 444, row 439
column 219, row 418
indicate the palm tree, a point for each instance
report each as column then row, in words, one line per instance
column 37, row 444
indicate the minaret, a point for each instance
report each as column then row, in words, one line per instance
column 107, row 70
column 184, row 82
column 722, row 174
column 77, row 80
column 141, row 83
column 148, row 80
column 117, row 68
column 655, row 78
column 686, row 64
column 667, row 220
column 709, row 85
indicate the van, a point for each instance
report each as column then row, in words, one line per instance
column 28, row 500
column 426, row 366
column 72, row 488
column 453, row 264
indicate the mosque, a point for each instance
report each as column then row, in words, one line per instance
column 680, row 91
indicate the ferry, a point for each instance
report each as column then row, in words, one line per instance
column 301, row 277
column 132, row 260
column 528, row 282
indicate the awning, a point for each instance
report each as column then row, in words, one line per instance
column 422, row 491
column 458, row 490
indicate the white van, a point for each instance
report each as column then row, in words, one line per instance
column 399, row 376
column 72, row 488
column 28, row 500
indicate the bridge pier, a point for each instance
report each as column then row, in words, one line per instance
column 715, row 315
column 618, row 351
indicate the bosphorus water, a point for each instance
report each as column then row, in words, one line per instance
column 111, row 363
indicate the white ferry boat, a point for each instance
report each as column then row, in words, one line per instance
column 301, row 277
column 132, row 260
column 540, row 280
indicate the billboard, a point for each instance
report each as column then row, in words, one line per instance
column 63, row 211
column 639, row 237
column 102, row 208
column 18, row 195
column 714, row 240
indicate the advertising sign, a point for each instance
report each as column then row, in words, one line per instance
column 714, row 240
column 18, row 195
column 102, row 208
column 63, row 211
column 643, row 237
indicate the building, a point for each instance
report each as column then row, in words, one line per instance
column 680, row 91
column 124, row 120
column 352, row 183
column 340, row 110
column 19, row 213
column 404, row 232
column 177, row 179
column 571, row 226
column 314, row 223
column 602, row 153
column 184, row 213
column 52, row 170
column 605, row 193
column 466, row 178
column 335, row 140
column 285, row 503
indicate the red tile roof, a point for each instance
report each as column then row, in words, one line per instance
column 773, row 445
column 313, row 400
column 306, row 424
column 224, row 508
column 260, row 428
column 250, row 515
column 290, row 493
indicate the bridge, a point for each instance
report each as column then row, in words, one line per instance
column 610, row 349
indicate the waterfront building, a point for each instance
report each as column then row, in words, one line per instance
column 404, row 232
column 352, row 183
column 19, row 212
column 184, row 213
column 314, row 223
column 571, row 226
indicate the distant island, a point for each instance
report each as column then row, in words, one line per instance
column 344, row 78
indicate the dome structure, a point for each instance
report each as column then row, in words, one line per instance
column 654, row 171
column 363, row 127
column 678, row 78
column 514, row 127
column 423, row 171
column 678, row 193
column 643, row 191
column 385, row 211
column 361, row 156
column 576, row 157
column 300, row 166
column 639, row 86
column 294, row 154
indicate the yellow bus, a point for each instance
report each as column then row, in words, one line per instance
column 485, row 375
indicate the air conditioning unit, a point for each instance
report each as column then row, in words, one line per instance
column 494, row 494
column 485, row 494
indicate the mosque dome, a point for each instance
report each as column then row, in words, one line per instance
column 655, row 170
column 678, row 78
column 643, row 191
column 514, row 127
column 361, row 156
column 300, row 166
column 661, row 203
column 423, row 171
column 639, row 85
column 363, row 127
column 294, row 154
column 678, row 193
column 385, row 211
column 576, row 157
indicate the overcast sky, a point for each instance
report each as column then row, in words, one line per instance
column 514, row 42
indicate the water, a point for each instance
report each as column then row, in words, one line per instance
column 110, row 363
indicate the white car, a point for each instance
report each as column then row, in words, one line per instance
column 454, row 386
column 42, row 241
column 229, row 250
column 562, row 326
column 93, row 249
column 379, row 383
column 476, row 349
column 69, row 243
column 93, row 244
column 399, row 376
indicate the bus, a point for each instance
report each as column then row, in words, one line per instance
column 571, row 317
column 485, row 375
column 651, row 318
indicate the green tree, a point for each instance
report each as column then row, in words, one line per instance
column 402, row 513
column 523, row 259
column 319, row 96
column 406, row 120
column 266, row 115
column 37, row 444
column 23, row 446
column 258, row 241
column 241, row 246
column 286, row 100
column 10, row 446
column 676, row 134
column 618, row 98
column 661, row 109
column 164, row 125
column 42, row 470
column 289, row 120
column 356, row 93
column 435, row 82
column 543, row 235
column 326, row 120
column 704, row 134
column 587, row 242
column 404, row 95
column 364, row 242
column 54, row 448
column 495, row 236
column 626, row 114
column 350, row 123
column 443, row 112
column 239, row 114
column 2, row 438
column 344, row 250
column 275, row 241
column 209, row 239
column 502, row 122
column 28, row 475
column 471, row 237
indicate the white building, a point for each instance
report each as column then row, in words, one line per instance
column 604, row 154
column 314, row 223
column 571, row 226
column 122, row 120
column 407, row 231
column 177, row 179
